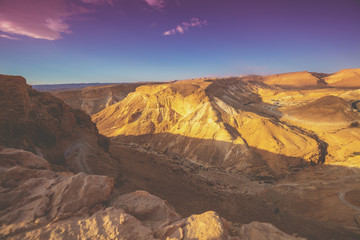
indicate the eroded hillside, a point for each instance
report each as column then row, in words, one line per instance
column 239, row 123
column 221, row 123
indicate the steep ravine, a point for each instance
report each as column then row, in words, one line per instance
column 321, row 144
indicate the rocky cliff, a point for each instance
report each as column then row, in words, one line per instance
column 45, row 125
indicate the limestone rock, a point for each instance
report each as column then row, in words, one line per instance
column 152, row 211
column 10, row 157
column 45, row 204
column 263, row 231
column 77, row 192
column 205, row 226
column 110, row 223
column 32, row 195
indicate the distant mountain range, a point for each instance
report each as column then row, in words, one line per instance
column 64, row 87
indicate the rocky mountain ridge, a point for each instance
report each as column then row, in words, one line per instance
column 95, row 98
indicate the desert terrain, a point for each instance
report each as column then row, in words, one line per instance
column 254, row 157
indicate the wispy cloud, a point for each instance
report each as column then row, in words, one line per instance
column 9, row 37
column 185, row 26
column 41, row 19
column 157, row 4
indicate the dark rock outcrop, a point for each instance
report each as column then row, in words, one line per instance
column 41, row 123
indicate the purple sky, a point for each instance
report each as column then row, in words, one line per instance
column 64, row 41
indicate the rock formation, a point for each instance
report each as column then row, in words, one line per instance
column 45, row 125
column 38, row 203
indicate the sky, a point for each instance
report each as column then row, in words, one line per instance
column 84, row 41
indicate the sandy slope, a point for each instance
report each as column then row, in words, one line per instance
column 296, row 79
column 345, row 78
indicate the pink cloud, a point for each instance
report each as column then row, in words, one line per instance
column 157, row 4
column 180, row 29
column 184, row 27
column 8, row 37
column 41, row 19
column 170, row 32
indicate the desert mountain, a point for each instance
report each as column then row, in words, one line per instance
column 295, row 79
column 240, row 123
column 38, row 203
column 345, row 78
column 221, row 123
column 45, row 125
column 334, row 120
column 93, row 99
column 330, row 109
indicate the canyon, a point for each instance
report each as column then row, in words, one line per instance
column 252, row 157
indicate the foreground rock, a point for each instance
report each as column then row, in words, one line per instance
column 38, row 203
column 263, row 231
column 45, row 125
column 33, row 194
